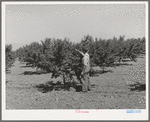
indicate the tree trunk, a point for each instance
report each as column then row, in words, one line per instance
column 104, row 65
column 120, row 61
column 103, row 69
column 64, row 80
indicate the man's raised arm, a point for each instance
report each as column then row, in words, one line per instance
column 80, row 52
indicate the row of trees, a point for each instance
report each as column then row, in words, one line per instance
column 59, row 57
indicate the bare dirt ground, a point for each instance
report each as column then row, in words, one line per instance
column 124, row 88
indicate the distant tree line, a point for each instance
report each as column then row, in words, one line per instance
column 58, row 56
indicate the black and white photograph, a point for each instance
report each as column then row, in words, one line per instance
column 75, row 60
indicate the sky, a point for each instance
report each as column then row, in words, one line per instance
column 28, row 23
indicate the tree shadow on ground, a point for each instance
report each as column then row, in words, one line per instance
column 33, row 73
column 123, row 64
column 8, row 71
column 51, row 86
column 58, row 86
column 25, row 66
column 7, row 81
column 95, row 73
column 93, row 86
column 79, row 87
column 138, row 87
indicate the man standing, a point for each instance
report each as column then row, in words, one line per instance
column 85, row 81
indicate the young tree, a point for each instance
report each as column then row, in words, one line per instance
column 133, row 49
column 62, row 52
column 9, row 56
column 32, row 52
column 45, row 58
column 120, row 48
column 20, row 54
column 103, row 54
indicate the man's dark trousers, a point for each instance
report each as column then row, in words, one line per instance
column 85, row 81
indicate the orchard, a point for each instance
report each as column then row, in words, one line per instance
column 59, row 57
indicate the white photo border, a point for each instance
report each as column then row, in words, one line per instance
column 67, row 114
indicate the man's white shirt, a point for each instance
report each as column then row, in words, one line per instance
column 86, row 59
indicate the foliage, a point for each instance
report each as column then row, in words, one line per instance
column 58, row 56
column 9, row 56
column 104, row 53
